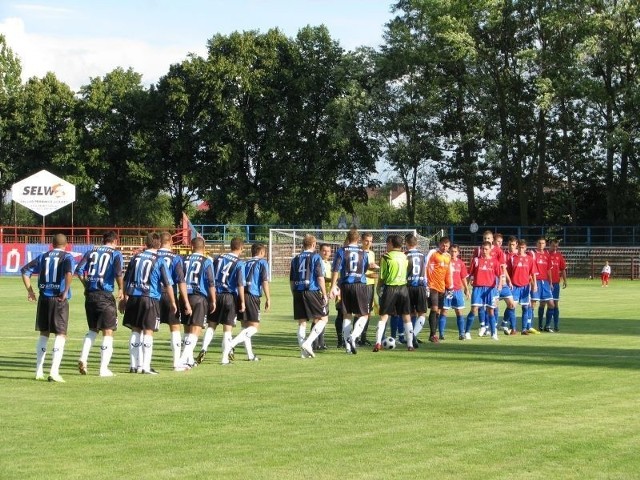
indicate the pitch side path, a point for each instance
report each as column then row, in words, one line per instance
column 555, row 405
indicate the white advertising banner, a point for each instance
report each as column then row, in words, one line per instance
column 43, row 192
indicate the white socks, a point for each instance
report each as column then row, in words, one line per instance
column 176, row 344
column 208, row 338
column 382, row 324
column 147, row 352
column 419, row 324
column 408, row 333
column 226, row 339
column 134, row 350
column 41, row 352
column 346, row 328
column 89, row 338
column 58, row 350
column 302, row 332
column 106, row 350
column 358, row 327
column 315, row 332
column 244, row 336
column 190, row 341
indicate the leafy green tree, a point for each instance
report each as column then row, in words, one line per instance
column 112, row 114
column 10, row 83
column 42, row 133
column 611, row 57
column 431, row 54
column 173, row 133
column 331, row 157
column 283, row 137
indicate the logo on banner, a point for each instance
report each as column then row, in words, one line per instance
column 43, row 192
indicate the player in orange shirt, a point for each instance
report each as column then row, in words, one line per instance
column 439, row 280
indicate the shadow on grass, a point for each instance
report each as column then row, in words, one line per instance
column 600, row 326
column 283, row 344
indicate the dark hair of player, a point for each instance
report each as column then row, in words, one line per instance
column 59, row 240
column 256, row 248
column 109, row 237
column 197, row 243
column 236, row 244
column 153, row 240
column 352, row 236
column 395, row 241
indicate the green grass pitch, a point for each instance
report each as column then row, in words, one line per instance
column 549, row 406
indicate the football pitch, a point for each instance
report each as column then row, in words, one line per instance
column 555, row 405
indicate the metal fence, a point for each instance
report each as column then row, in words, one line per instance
column 571, row 236
column 585, row 236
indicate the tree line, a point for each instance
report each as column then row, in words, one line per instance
column 528, row 109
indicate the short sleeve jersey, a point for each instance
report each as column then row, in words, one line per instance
column 51, row 268
column 485, row 271
column 558, row 265
column 437, row 270
column 521, row 268
column 100, row 267
column 416, row 272
column 175, row 266
column 146, row 274
column 256, row 273
column 352, row 264
column 305, row 272
column 229, row 270
column 393, row 268
column 459, row 269
column 543, row 264
column 199, row 276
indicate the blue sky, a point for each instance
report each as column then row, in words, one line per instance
column 80, row 39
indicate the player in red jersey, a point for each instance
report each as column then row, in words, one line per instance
column 558, row 274
column 543, row 295
column 522, row 269
column 486, row 273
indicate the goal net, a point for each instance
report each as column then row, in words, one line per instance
column 284, row 244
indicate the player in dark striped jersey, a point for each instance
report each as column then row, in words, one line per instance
column 417, row 284
column 306, row 280
column 257, row 281
column 349, row 269
column 229, row 275
column 55, row 272
column 146, row 277
column 100, row 270
column 200, row 286
column 176, row 270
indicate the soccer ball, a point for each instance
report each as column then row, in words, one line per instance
column 389, row 343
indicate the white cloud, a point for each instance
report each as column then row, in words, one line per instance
column 75, row 60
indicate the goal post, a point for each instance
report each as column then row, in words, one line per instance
column 285, row 243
